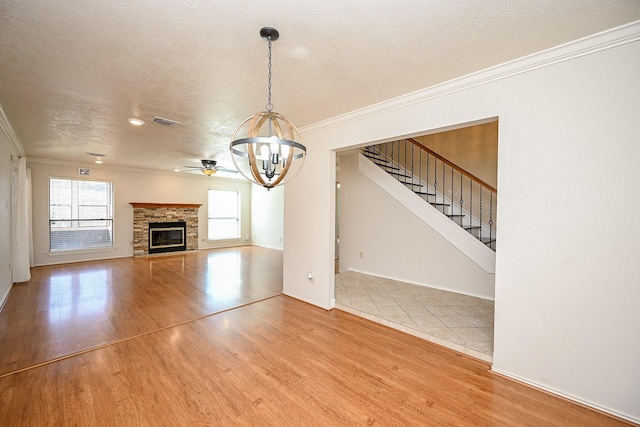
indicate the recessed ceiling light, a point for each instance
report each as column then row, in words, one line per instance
column 135, row 122
column 98, row 157
column 176, row 169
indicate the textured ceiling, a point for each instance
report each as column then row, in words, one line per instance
column 73, row 71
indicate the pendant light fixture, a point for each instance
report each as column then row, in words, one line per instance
column 272, row 151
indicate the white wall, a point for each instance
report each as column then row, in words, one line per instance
column 267, row 217
column 6, row 151
column 130, row 186
column 395, row 243
column 567, row 270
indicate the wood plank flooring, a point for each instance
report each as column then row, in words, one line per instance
column 278, row 361
column 69, row 308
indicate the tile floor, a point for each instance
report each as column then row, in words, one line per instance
column 453, row 320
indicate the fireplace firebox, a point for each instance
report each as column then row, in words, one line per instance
column 167, row 237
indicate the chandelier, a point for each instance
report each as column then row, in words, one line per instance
column 266, row 148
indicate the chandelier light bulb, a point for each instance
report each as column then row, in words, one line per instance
column 264, row 152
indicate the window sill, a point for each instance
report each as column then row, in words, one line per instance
column 81, row 251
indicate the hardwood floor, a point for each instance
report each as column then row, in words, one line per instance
column 278, row 361
column 65, row 309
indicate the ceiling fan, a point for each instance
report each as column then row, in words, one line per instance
column 209, row 167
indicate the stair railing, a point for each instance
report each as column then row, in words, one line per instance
column 463, row 197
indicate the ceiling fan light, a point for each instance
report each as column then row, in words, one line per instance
column 208, row 172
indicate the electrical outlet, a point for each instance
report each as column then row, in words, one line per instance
column 361, row 254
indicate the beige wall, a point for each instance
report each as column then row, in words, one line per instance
column 474, row 149
column 131, row 186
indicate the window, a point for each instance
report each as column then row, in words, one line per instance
column 80, row 214
column 224, row 215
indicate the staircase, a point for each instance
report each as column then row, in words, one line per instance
column 463, row 198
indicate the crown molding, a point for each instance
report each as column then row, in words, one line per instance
column 608, row 39
column 125, row 169
column 7, row 129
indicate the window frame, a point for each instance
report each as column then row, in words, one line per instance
column 237, row 218
column 105, row 223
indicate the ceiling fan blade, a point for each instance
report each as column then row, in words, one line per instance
column 223, row 169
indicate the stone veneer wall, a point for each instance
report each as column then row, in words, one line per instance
column 144, row 213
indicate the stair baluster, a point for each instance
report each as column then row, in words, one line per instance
column 393, row 158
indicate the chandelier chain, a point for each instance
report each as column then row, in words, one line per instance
column 269, row 105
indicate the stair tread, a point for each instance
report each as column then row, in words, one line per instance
column 387, row 167
column 411, row 183
column 398, row 174
column 422, row 193
column 375, row 157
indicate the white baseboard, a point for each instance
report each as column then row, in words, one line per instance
column 298, row 297
column 3, row 300
column 566, row 396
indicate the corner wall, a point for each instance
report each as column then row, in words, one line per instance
column 6, row 152
column 567, row 265
column 267, row 222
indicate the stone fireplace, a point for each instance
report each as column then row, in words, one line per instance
column 167, row 213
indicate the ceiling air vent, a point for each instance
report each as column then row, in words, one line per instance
column 165, row 122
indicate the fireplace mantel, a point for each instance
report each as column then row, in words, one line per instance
column 144, row 205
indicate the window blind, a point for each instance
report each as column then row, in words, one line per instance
column 80, row 214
